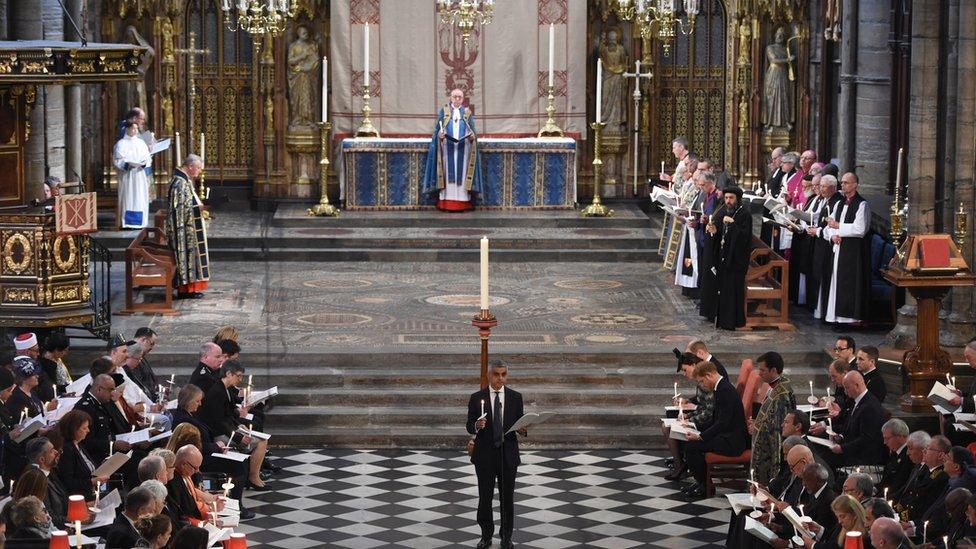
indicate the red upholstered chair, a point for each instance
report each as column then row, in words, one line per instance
column 732, row 468
column 744, row 370
column 972, row 449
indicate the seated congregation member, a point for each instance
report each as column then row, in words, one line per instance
column 726, row 435
column 12, row 453
column 32, row 482
column 818, row 497
column 106, row 420
column 899, row 466
column 28, row 521
column 193, row 504
column 918, row 441
column 859, row 486
column 926, row 487
column 44, row 457
column 867, row 364
column 26, row 345
column 223, row 417
column 56, row 347
column 966, row 399
column 154, row 474
column 144, row 404
column 76, row 466
column 207, row 372
column 24, row 401
column 190, row 537
column 123, row 533
column 886, row 533
column 955, row 517
column 849, row 516
column 147, row 338
column 876, row 508
column 958, row 464
column 858, row 442
column 700, row 417
column 700, row 350
column 154, row 532
column 840, row 405
column 766, row 429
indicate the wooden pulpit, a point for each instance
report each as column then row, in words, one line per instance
column 928, row 266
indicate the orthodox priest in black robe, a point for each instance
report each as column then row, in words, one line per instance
column 732, row 226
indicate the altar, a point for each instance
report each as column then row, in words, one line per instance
column 386, row 174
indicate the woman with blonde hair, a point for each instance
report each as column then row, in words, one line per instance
column 850, row 518
column 225, row 332
column 184, row 434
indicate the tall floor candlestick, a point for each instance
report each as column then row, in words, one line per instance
column 596, row 208
column 323, row 208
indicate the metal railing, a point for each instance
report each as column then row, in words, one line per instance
column 100, row 282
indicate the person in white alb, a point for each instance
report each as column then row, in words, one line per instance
column 131, row 157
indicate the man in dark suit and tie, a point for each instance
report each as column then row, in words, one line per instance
column 899, row 466
column 492, row 412
column 123, row 534
column 859, row 442
column 43, row 455
column 727, row 436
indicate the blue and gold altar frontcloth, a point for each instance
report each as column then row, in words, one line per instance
column 518, row 173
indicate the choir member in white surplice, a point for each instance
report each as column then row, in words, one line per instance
column 847, row 228
column 131, row 157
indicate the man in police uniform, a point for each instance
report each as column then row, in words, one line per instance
column 207, row 372
column 105, row 425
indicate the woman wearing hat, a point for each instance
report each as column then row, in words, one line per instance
column 24, row 402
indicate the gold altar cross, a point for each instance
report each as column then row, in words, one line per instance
column 191, row 65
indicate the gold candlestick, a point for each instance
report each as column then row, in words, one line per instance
column 962, row 226
column 366, row 129
column 202, row 190
column 551, row 129
column 324, row 207
column 596, row 208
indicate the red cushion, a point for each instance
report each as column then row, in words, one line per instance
column 718, row 459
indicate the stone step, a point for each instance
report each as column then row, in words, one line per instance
column 444, row 437
column 457, row 397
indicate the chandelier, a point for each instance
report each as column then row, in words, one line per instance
column 664, row 13
column 257, row 17
column 465, row 14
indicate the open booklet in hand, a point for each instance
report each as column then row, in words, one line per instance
column 530, row 419
column 941, row 395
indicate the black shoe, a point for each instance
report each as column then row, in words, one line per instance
column 247, row 514
column 191, row 295
column 507, row 544
column 265, row 475
column 677, row 474
column 484, row 543
column 269, row 465
column 669, row 462
column 695, row 492
column 257, row 488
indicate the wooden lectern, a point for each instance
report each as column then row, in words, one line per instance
column 928, row 266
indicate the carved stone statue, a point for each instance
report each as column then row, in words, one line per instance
column 777, row 109
column 134, row 93
column 615, row 63
column 303, row 69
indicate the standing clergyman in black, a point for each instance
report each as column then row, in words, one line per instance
column 731, row 228
column 492, row 412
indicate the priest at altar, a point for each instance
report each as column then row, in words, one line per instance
column 186, row 231
column 453, row 168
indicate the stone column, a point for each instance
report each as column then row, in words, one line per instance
column 24, row 22
column 847, row 105
column 3, row 19
column 72, row 95
column 54, row 115
column 961, row 322
column 873, row 95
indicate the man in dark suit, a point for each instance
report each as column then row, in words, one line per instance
column 727, row 435
column 867, row 364
column 43, row 455
column 886, row 533
column 859, row 441
column 817, row 496
column 926, row 487
column 965, row 399
column 699, row 349
column 899, row 466
column 491, row 413
column 123, row 534
column 188, row 501
column 207, row 372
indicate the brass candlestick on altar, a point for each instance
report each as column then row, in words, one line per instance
column 962, row 226
column 323, row 207
column 551, row 129
column 484, row 321
column 897, row 213
column 596, row 208
column 366, row 129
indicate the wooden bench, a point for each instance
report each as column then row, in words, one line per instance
column 767, row 289
column 149, row 263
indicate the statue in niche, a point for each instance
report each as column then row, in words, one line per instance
column 615, row 63
column 134, row 93
column 303, row 69
column 777, row 109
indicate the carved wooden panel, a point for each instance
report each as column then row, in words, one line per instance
column 689, row 94
column 12, row 119
column 222, row 103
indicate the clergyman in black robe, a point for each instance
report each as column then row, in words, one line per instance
column 732, row 225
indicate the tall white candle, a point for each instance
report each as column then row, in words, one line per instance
column 179, row 156
column 901, row 151
column 366, row 56
column 203, row 145
column 599, row 89
column 552, row 50
column 325, row 89
column 484, row 273
column 226, row 5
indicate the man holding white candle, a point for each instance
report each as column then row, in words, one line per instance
column 453, row 168
column 496, row 455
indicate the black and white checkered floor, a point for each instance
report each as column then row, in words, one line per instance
column 427, row 499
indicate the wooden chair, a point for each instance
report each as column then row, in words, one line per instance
column 732, row 468
column 745, row 369
column 149, row 263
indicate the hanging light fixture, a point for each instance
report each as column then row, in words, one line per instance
column 663, row 13
column 257, row 17
column 465, row 14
